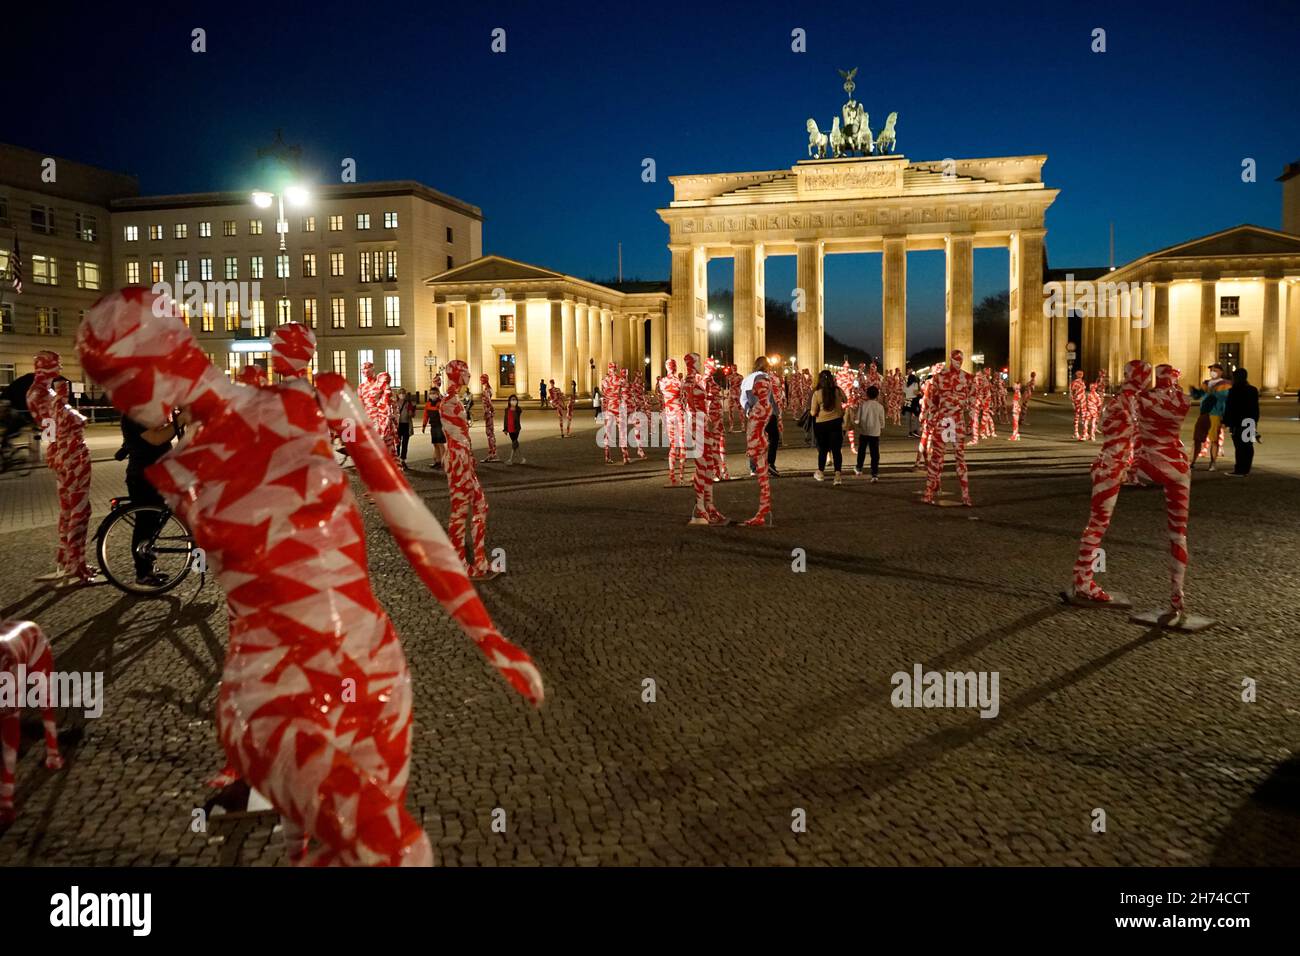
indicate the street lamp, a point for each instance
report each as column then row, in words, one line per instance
column 715, row 325
column 297, row 196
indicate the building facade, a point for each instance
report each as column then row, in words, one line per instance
column 522, row 324
column 56, row 212
column 352, row 266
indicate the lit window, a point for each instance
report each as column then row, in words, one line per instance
column 87, row 275
column 86, row 230
column 232, row 267
column 228, row 227
column 1230, row 305
column 156, row 271
column 336, row 263
column 308, row 223
column 364, row 356
column 131, row 233
column 205, row 269
column 132, row 272
column 282, row 311
column 341, row 362
column 392, row 311
column 390, row 220
column 182, row 271
column 393, row 365
column 309, row 313
column 47, row 320
column 45, row 270
column 336, row 223
column 259, row 318
column 234, row 362
column 232, row 316
column 365, row 314
column 181, row 230
column 254, row 227
column 363, row 220
column 507, row 323
column 309, row 265
column 390, row 265
column 338, row 313
column 363, row 273
column 205, row 230
column 155, row 231
column 209, row 317
column 282, row 266
column 255, row 267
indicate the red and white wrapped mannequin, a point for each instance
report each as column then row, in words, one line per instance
column 735, row 414
column 69, row 459
column 756, row 448
column 368, row 391
column 975, row 408
column 570, row 399
column 384, row 413
column 988, row 400
column 1028, row 395
column 1118, row 428
column 635, row 404
column 314, row 710
column 468, row 503
column 1092, row 404
column 717, row 407
column 847, row 380
column 1079, row 399
column 613, row 413
column 253, row 375
column 695, row 394
column 1162, row 460
column 674, row 416
column 23, row 652
column 489, row 418
column 1015, row 413
column 950, row 397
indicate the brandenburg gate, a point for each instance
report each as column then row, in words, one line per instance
column 884, row 204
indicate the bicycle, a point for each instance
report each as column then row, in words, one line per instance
column 169, row 548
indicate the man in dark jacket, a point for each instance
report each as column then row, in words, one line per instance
column 1241, row 417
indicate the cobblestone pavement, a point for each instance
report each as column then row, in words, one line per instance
column 773, row 687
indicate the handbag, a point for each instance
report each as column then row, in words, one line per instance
column 805, row 420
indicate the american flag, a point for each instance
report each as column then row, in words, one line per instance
column 16, row 268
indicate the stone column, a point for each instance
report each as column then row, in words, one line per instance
column 1271, row 351
column 606, row 339
column 1209, row 347
column 893, row 272
column 657, row 356
column 619, row 354
column 1027, row 303
column 441, row 340
column 570, row 346
column 474, row 346
column 523, row 382
column 556, row 369
column 584, row 347
column 689, row 292
column 744, row 313
column 1160, row 325
column 808, row 275
column 760, row 300
column 1101, row 333
column 959, row 279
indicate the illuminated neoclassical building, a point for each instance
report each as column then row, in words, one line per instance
column 522, row 324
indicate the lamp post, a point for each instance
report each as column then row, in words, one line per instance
column 715, row 325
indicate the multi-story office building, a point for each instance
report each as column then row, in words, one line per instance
column 352, row 266
column 56, row 212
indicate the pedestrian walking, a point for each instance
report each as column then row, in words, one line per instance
column 869, row 422
column 1241, row 417
column 433, row 424
column 514, row 416
column 827, row 411
column 405, row 422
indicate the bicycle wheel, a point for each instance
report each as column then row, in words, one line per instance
column 153, row 534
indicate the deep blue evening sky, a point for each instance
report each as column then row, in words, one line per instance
column 548, row 138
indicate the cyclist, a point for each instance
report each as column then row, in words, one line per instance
column 141, row 447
